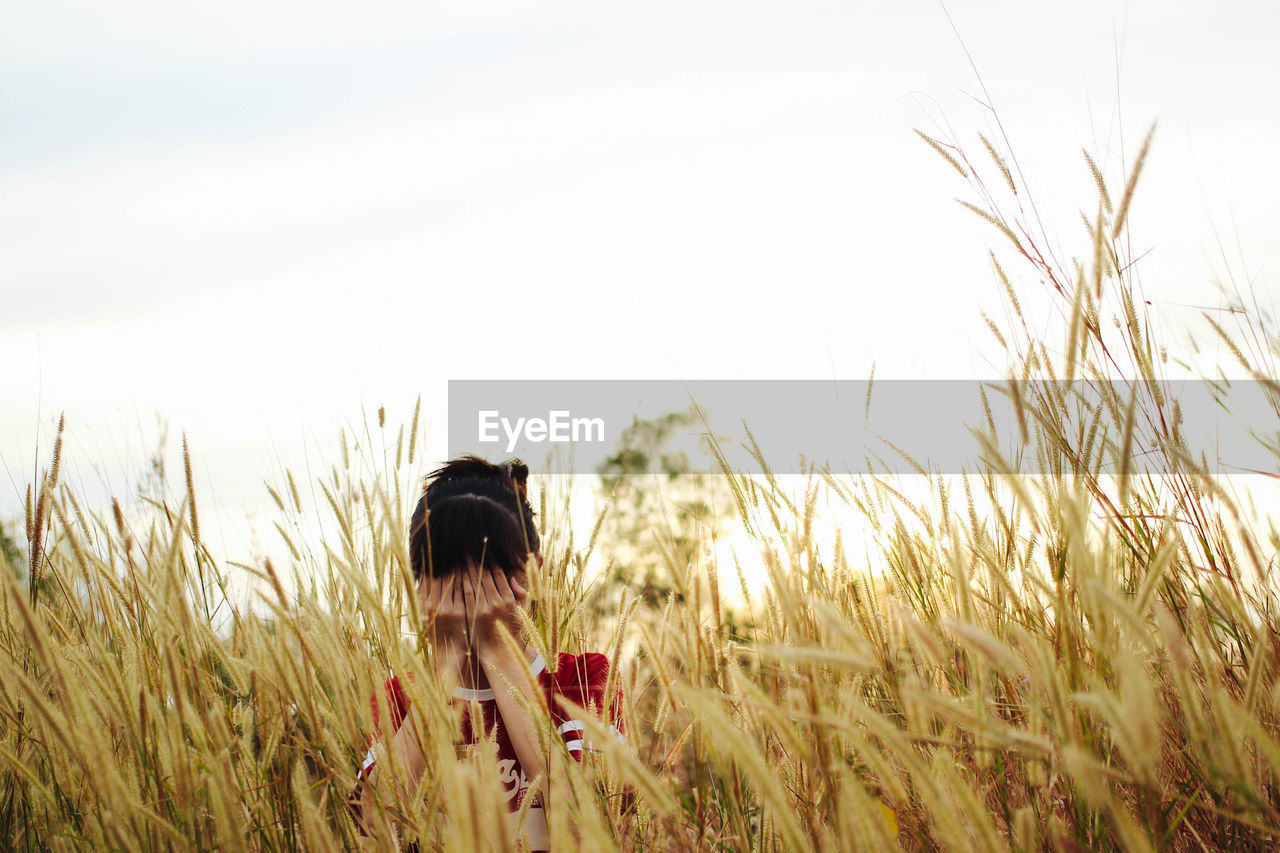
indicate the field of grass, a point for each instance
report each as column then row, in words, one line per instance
column 1081, row 660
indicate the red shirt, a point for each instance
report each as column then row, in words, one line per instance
column 580, row 679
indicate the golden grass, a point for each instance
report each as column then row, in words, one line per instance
column 1088, row 663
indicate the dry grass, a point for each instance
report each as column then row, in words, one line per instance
column 1079, row 660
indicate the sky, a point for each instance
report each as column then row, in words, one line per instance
column 258, row 222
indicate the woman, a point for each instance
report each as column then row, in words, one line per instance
column 470, row 539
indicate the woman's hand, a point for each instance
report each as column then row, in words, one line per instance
column 492, row 601
column 443, row 606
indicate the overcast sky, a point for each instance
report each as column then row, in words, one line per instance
column 263, row 219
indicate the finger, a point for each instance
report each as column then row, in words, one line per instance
column 445, row 594
column 519, row 586
column 435, row 602
column 502, row 584
column 426, row 601
column 468, row 599
column 518, row 583
column 423, row 596
column 492, row 590
column 487, row 590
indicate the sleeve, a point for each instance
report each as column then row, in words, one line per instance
column 582, row 681
column 396, row 702
column 397, row 705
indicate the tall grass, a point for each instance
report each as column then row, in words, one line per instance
column 1081, row 659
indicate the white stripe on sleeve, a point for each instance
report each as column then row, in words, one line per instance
column 369, row 761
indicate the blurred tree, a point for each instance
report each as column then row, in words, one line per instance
column 10, row 553
column 153, row 483
column 662, row 515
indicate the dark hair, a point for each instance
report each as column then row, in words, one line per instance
column 472, row 510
